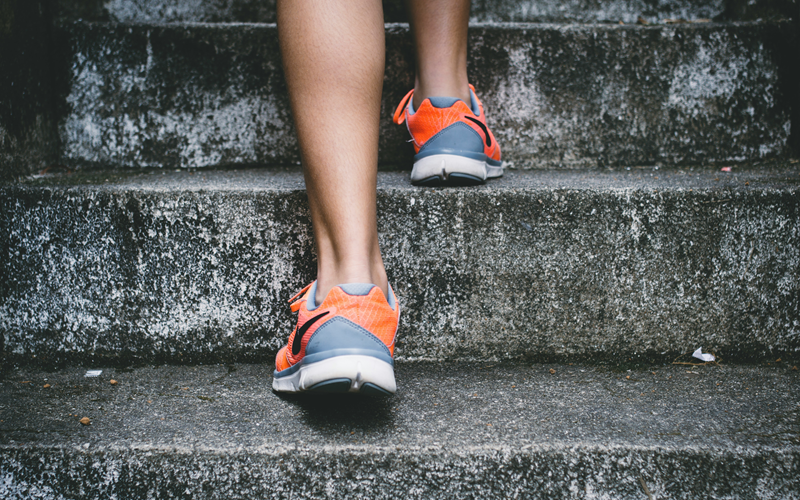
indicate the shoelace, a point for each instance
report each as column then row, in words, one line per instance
column 295, row 302
column 399, row 113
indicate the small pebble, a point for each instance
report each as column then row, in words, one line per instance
column 552, row 371
column 628, row 377
column 113, row 382
column 86, row 421
column 46, row 386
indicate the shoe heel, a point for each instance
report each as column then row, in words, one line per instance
column 341, row 356
column 341, row 337
column 448, row 169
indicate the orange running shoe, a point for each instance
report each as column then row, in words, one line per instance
column 344, row 344
column 453, row 145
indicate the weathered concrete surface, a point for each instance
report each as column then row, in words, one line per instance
column 452, row 431
column 263, row 11
column 557, row 96
column 750, row 10
column 596, row 265
column 28, row 125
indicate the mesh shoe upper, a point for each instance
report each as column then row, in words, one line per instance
column 370, row 311
column 428, row 121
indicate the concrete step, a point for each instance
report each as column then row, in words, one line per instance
column 599, row 266
column 263, row 11
column 557, row 96
column 452, row 431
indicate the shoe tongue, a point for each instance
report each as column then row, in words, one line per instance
column 443, row 102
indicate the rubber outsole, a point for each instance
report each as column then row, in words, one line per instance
column 454, row 179
column 344, row 385
column 340, row 374
column 452, row 170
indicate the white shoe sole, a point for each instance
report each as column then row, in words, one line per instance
column 444, row 165
column 348, row 373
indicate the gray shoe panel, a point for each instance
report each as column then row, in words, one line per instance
column 494, row 163
column 359, row 289
column 311, row 303
column 443, row 102
column 341, row 333
column 458, row 138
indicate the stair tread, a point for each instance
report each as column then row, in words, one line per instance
column 452, row 430
column 446, row 406
column 779, row 175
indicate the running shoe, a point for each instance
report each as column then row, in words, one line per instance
column 452, row 143
column 344, row 344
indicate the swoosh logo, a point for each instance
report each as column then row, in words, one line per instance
column 483, row 127
column 298, row 337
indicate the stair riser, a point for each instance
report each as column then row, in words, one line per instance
column 371, row 473
column 199, row 96
column 263, row 11
column 544, row 273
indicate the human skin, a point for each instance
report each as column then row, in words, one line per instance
column 333, row 56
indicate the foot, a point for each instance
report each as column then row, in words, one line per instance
column 344, row 344
column 453, row 145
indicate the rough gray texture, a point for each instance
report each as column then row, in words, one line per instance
column 557, row 96
column 176, row 96
column 597, row 265
column 28, row 125
column 452, row 431
column 263, row 11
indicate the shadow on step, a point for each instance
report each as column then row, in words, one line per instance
column 343, row 412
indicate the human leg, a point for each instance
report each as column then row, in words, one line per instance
column 333, row 56
column 439, row 29
column 446, row 121
column 333, row 53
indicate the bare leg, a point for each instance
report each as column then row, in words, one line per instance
column 333, row 53
column 439, row 28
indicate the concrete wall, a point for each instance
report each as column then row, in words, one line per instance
column 28, row 133
column 583, row 11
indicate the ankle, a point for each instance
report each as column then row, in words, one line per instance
column 327, row 280
column 451, row 89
